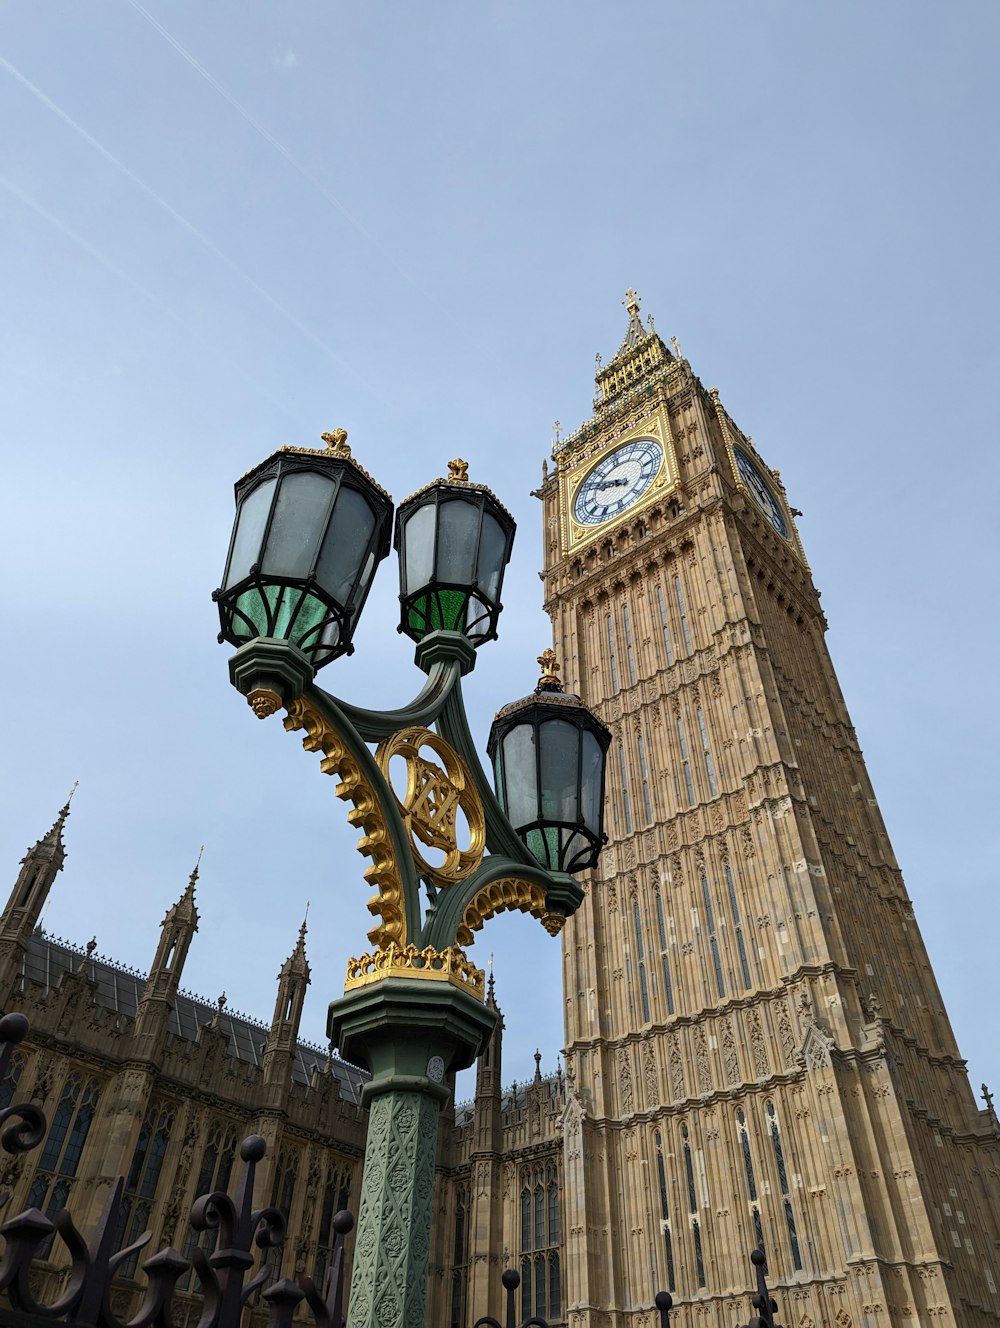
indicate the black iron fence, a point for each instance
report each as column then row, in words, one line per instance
column 241, row 1236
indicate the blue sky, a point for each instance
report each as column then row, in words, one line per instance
column 230, row 226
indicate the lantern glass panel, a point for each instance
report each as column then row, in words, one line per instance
column 458, row 532
column 592, row 766
column 520, row 782
column 419, row 544
column 299, row 522
column 345, row 546
column 250, row 532
column 560, row 746
column 492, row 546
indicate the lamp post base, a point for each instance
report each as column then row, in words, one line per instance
column 409, row 1033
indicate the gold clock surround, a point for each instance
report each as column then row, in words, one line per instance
column 574, row 471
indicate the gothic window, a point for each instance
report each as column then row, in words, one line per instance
column 141, row 1182
column 713, row 787
column 60, row 1158
column 737, row 924
column 751, row 1180
column 668, row 986
column 699, row 1256
column 541, row 1285
column 460, row 1258
column 282, row 1196
column 629, row 649
column 685, row 633
column 216, row 1170
column 712, row 938
column 779, row 1158
column 661, row 603
column 626, row 808
column 612, row 662
column 336, row 1197
column 661, row 1176
column 8, row 1086
column 640, row 958
column 685, row 763
column 644, row 772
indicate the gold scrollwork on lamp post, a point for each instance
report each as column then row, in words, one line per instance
column 436, row 791
column 365, row 813
column 507, row 895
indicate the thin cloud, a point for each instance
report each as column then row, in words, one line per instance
column 286, row 60
column 101, row 258
column 178, row 217
column 268, row 137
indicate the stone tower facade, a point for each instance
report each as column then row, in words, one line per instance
column 757, row 1050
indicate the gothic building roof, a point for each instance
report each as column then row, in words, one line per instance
column 120, row 989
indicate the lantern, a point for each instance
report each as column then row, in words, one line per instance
column 311, row 527
column 454, row 541
column 548, row 754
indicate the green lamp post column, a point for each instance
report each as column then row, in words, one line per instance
column 413, row 1009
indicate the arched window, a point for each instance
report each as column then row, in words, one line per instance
column 779, row 1158
column 661, row 1176
column 751, row 1180
column 737, row 924
column 141, row 1182
column 541, row 1291
column 8, row 1085
column 699, row 1258
column 63, row 1149
column 336, row 1196
column 216, row 1169
column 460, row 1258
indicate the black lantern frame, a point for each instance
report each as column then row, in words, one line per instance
column 311, row 528
column 549, row 762
column 454, row 540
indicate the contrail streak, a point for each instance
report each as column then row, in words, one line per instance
column 58, row 224
column 172, row 212
column 265, row 134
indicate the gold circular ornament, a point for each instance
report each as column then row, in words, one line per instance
column 437, row 790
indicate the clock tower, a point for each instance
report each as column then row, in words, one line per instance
column 757, row 1053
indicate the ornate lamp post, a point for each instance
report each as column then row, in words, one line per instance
column 310, row 530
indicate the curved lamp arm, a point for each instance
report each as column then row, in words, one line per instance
column 446, row 914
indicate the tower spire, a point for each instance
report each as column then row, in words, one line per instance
column 39, row 868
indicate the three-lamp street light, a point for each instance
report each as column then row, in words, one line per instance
column 445, row 851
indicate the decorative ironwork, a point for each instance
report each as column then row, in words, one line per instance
column 762, row 1300
column 367, row 812
column 29, row 1131
column 510, row 1279
column 407, row 961
column 435, row 794
column 508, row 894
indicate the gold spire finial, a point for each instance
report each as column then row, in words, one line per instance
column 550, row 669
column 336, row 442
column 458, row 470
column 631, row 301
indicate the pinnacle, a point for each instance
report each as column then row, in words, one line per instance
column 53, row 836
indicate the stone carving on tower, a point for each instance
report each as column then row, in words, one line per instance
column 747, row 908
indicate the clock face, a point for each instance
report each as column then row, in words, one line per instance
column 616, row 482
column 760, row 491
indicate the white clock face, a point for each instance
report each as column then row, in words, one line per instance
column 616, row 482
column 760, row 491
